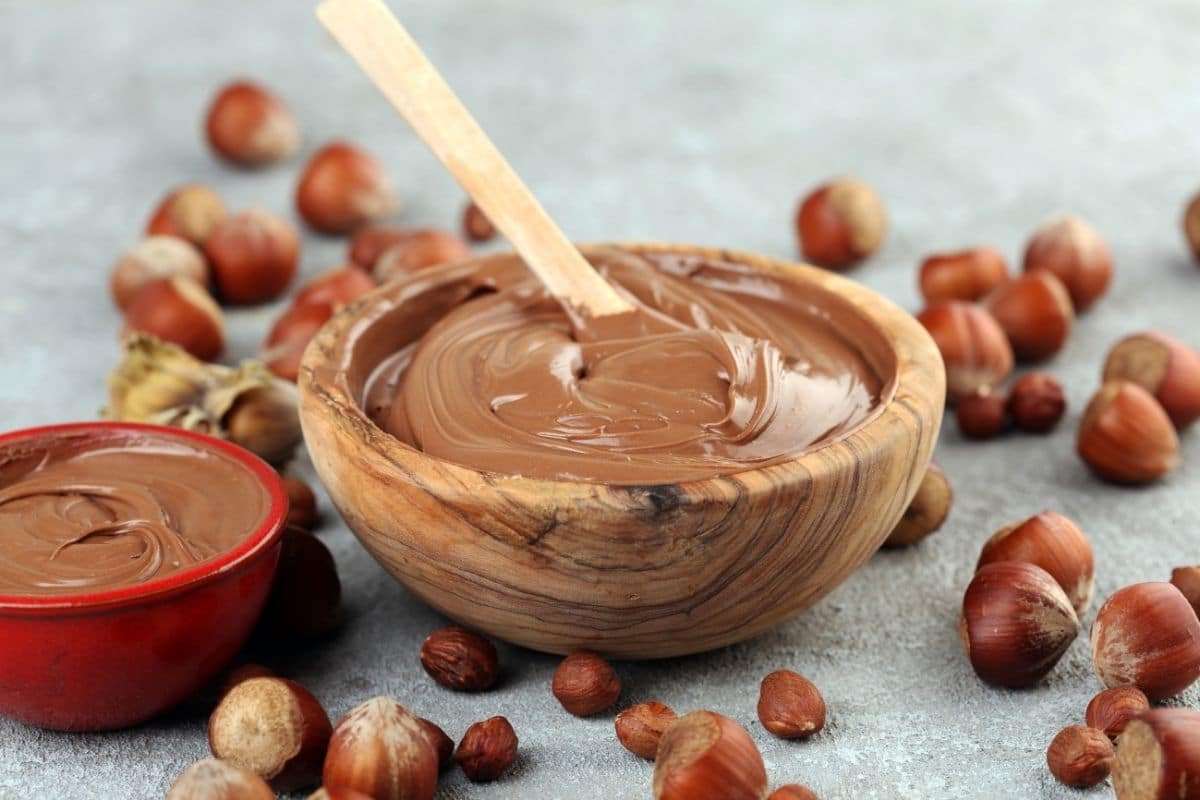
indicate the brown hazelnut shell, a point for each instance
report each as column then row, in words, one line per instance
column 1163, row 366
column 1052, row 542
column 253, row 255
column 790, row 706
column 1147, row 635
column 1036, row 402
column 585, row 684
column 343, row 187
column 460, row 659
column 1016, row 623
column 975, row 350
column 274, row 728
column 968, row 275
column 1036, row 314
column 1158, row 756
column 704, row 754
column 487, row 749
column 381, row 750
column 1080, row 756
column 840, row 223
column 1076, row 254
column 178, row 310
column 1126, row 437
column 1110, row 710
column 249, row 126
column 289, row 336
column 639, row 728
column 188, row 212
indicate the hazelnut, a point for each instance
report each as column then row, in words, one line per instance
column 1016, row 623
column 840, row 223
column 264, row 420
column 1111, row 710
column 460, row 660
column 338, row 287
column 419, row 250
column 381, row 750
column 962, row 275
column 1191, row 225
column 973, row 346
column 1147, row 635
column 704, row 754
column 790, row 705
column 253, row 256
column 1036, row 314
column 1187, row 580
column 793, row 791
column 928, row 510
column 1080, row 756
column 212, row 779
column 640, row 727
column 585, row 684
column 273, row 727
column 249, row 126
column 475, row 224
column 1163, row 366
column 156, row 258
column 368, row 243
column 343, row 187
column 288, row 338
column 487, row 749
column 179, row 311
column 1126, row 437
column 188, row 212
column 306, row 598
column 1072, row 250
column 1054, row 543
column 1158, row 756
column 982, row 415
column 302, row 503
column 443, row 745
column 1036, row 402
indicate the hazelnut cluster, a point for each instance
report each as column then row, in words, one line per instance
column 1150, row 391
column 1021, row 612
column 983, row 319
column 197, row 253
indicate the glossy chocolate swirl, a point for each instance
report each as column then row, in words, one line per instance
column 721, row 369
column 79, row 520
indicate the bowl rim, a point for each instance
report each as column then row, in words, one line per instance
column 902, row 333
column 266, row 533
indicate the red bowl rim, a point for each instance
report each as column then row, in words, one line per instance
column 260, row 540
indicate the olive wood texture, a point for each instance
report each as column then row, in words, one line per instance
column 631, row 571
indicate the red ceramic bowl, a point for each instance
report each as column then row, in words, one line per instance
column 113, row 658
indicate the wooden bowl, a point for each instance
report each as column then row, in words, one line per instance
column 629, row 571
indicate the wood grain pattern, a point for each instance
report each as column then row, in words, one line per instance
column 630, row 571
column 390, row 57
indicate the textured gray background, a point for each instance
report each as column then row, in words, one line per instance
column 697, row 122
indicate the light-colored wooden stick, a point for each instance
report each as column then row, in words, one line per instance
column 390, row 57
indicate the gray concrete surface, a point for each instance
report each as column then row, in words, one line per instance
column 697, row 122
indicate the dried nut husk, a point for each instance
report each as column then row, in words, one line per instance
column 159, row 383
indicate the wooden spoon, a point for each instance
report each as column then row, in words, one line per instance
column 390, row 57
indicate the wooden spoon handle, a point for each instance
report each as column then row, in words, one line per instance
column 390, row 57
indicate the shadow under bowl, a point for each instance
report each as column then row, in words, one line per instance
column 632, row 571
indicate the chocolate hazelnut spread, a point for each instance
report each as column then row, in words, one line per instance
column 723, row 368
column 79, row 515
